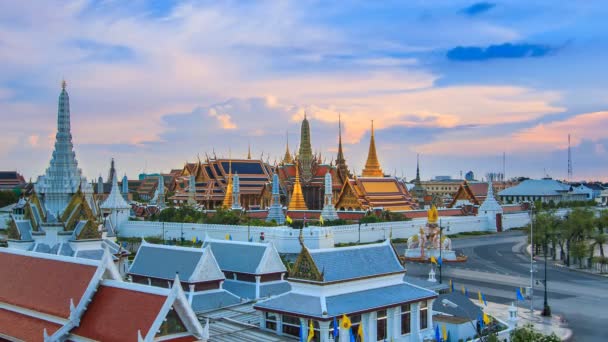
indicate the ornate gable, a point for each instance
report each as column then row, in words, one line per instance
column 305, row 267
column 464, row 193
column 348, row 199
column 77, row 210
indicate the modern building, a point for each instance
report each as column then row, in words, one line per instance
column 355, row 286
column 545, row 190
column 199, row 273
column 58, row 298
column 252, row 270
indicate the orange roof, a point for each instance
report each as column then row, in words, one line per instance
column 116, row 314
column 60, row 281
column 24, row 327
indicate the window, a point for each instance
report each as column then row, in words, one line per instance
column 271, row 321
column 291, row 325
column 406, row 318
column 424, row 318
column 381, row 328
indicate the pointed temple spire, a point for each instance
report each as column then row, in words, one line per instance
column 329, row 211
column 276, row 210
column 112, row 172
column 372, row 166
column 305, row 156
column 342, row 169
column 63, row 177
column 115, row 199
column 417, row 167
column 297, row 201
column 249, row 152
column 287, row 159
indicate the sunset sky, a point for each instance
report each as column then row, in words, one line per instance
column 459, row 82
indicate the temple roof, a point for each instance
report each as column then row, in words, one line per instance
column 254, row 258
column 374, row 192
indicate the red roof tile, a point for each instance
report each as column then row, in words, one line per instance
column 116, row 314
column 42, row 285
column 24, row 327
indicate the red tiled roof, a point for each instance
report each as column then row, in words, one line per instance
column 42, row 285
column 24, row 327
column 116, row 314
column 182, row 339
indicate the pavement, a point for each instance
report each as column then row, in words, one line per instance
column 546, row 325
column 497, row 265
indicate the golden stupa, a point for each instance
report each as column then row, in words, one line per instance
column 297, row 201
column 372, row 165
column 227, row 204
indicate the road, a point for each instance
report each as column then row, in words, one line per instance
column 497, row 265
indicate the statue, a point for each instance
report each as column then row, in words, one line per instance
column 429, row 240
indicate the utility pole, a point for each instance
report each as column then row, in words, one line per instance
column 440, row 259
column 532, row 258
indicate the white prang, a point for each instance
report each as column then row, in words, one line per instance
column 62, row 178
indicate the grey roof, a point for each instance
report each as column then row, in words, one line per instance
column 538, row 187
column 156, row 261
column 274, row 289
column 240, row 288
column 348, row 303
column 236, row 256
column 375, row 298
column 466, row 308
column 25, row 229
column 247, row 290
column 293, row 303
column 356, row 262
column 42, row 248
column 213, row 300
column 66, row 250
column 429, row 285
column 95, row 254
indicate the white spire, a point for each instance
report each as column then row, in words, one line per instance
column 115, row 199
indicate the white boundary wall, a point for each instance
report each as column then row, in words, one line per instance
column 285, row 239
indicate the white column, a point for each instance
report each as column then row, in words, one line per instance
column 393, row 322
column 324, row 331
column 369, row 326
column 257, row 286
column 429, row 312
column 415, row 322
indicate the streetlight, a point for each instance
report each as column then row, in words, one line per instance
column 546, row 308
column 359, row 241
column 531, row 258
column 448, row 303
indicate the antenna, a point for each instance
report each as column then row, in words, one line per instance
column 569, row 161
column 504, row 172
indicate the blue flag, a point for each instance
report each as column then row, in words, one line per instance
column 302, row 336
column 520, row 296
column 352, row 336
column 437, row 335
column 439, row 261
column 251, row 239
column 336, row 328
column 484, row 299
column 452, row 285
column 480, row 321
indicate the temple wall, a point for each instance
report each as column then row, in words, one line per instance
column 286, row 239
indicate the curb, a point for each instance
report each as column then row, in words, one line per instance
column 528, row 250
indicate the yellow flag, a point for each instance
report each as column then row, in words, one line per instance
column 463, row 292
column 193, row 239
column 433, row 260
column 288, row 220
column 486, row 319
column 444, row 332
column 346, row 323
column 321, row 220
column 360, row 332
column 479, row 297
column 227, row 237
column 311, row 332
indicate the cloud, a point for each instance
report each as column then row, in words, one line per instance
column 506, row 50
column 478, row 8
column 98, row 51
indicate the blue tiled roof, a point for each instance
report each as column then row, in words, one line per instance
column 465, row 305
column 237, row 257
column 66, row 250
column 375, row 298
column 274, row 289
column 356, row 262
column 240, row 288
column 213, row 300
column 159, row 262
column 293, row 303
column 537, row 187
column 94, row 254
column 243, row 168
column 42, row 248
column 425, row 283
column 25, row 230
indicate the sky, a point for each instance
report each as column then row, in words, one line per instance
column 154, row 84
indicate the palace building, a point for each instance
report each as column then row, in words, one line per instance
column 372, row 190
column 341, row 285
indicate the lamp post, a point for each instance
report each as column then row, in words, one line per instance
column 532, row 258
column 546, row 308
column 359, row 241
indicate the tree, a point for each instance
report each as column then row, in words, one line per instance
column 576, row 227
column 8, row 197
column 579, row 251
column 599, row 239
column 528, row 334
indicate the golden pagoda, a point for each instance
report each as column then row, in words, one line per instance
column 372, row 166
column 227, row 204
column 297, row 201
column 287, row 159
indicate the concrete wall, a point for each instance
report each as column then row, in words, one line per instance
column 286, row 239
